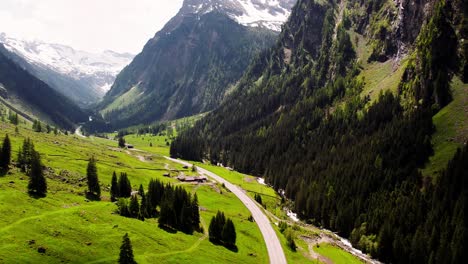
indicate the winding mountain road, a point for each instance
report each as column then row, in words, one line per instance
column 275, row 251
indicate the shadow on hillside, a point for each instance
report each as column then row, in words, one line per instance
column 92, row 197
column 36, row 196
column 168, row 229
column 232, row 248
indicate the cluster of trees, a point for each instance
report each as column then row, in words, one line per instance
column 131, row 207
column 222, row 231
column 121, row 187
column 38, row 127
column 157, row 129
column 29, row 162
column 258, row 198
column 178, row 209
column 13, row 118
column 288, row 233
column 5, row 154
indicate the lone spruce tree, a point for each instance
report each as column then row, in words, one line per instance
column 5, row 154
column 37, row 183
column 94, row 190
column 126, row 251
column 121, row 142
column 114, row 191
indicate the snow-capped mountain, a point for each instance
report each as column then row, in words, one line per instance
column 191, row 65
column 97, row 71
column 269, row 14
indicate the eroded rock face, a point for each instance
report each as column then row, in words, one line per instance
column 411, row 17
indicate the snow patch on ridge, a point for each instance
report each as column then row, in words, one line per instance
column 271, row 14
column 102, row 67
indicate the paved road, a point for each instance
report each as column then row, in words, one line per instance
column 78, row 132
column 275, row 251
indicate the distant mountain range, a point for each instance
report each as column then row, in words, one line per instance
column 34, row 99
column 194, row 61
column 82, row 76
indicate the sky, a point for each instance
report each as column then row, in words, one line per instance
column 89, row 25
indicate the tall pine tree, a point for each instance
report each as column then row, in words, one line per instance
column 114, row 191
column 37, row 183
column 25, row 154
column 229, row 234
column 195, row 213
column 134, row 207
column 5, row 154
column 125, row 188
column 126, row 251
column 215, row 229
column 94, row 190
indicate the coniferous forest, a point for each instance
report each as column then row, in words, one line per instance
column 349, row 164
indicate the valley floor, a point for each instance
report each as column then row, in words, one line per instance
column 71, row 229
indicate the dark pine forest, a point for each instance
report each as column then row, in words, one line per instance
column 350, row 164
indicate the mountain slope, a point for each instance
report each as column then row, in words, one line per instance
column 304, row 117
column 188, row 67
column 22, row 89
column 81, row 76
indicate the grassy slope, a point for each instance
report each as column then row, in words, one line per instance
column 124, row 100
column 335, row 254
column 451, row 122
column 380, row 76
column 74, row 230
column 160, row 144
column 451, row 125
column 377, row 76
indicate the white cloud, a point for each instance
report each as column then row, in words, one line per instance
column 91, row 25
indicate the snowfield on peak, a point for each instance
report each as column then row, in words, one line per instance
column 269, row 14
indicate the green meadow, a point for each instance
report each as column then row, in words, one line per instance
column 74, row 230
column 335, row 254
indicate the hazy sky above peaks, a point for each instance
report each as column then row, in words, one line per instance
column 90, row 25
